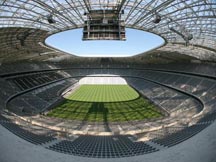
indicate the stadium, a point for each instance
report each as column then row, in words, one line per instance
column 154, row 106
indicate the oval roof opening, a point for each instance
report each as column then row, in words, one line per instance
column 137, row 42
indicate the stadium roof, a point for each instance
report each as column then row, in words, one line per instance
column 188, row 21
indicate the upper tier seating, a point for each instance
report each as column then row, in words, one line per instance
column 33, row 80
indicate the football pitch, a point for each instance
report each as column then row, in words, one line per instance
column 105, row 103
column 104, row 93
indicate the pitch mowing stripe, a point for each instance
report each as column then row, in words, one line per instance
column 136, row 109
column 104, row 93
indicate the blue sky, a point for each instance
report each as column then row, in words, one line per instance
column 136, row 43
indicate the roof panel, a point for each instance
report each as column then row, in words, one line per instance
column 196, row 17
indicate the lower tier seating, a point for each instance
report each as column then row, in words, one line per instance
column 103, row 146
column 172, row 139
column 25, row 134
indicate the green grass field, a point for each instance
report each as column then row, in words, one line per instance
column 104, row 93
column 105, row 103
